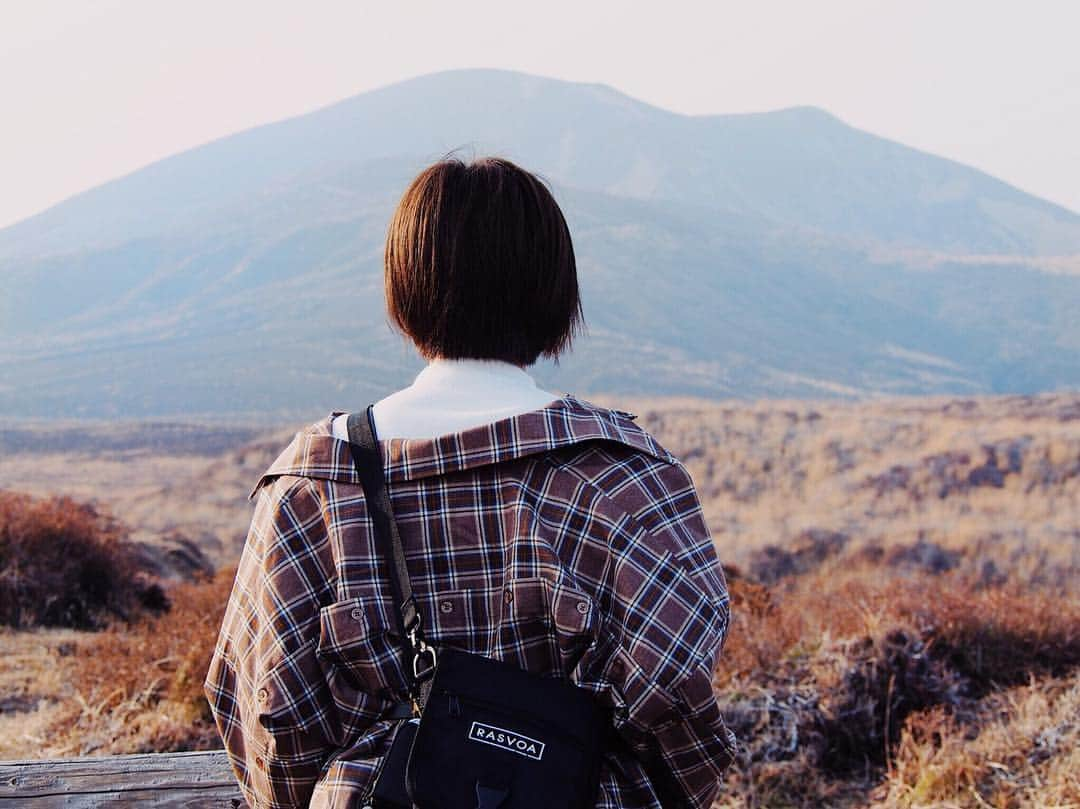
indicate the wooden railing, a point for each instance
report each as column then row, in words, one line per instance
column 169, row 780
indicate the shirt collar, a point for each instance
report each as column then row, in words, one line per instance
column 315, row 452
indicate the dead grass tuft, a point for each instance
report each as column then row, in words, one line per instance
column 148, row 678
column 128, row 688
column 1021, row 748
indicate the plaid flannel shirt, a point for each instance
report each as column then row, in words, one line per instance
column 566, row 540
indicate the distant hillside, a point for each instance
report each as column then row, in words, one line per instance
column 780, row 253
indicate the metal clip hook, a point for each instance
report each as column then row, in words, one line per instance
column 423, row 650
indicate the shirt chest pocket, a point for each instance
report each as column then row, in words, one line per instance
column 359, row 643
column 539, row 624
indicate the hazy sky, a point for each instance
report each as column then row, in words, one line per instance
column 92, row 89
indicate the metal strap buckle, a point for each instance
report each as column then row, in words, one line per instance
column 423, row 649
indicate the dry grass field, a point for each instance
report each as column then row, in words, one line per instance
column 906, row 630
column 180, row 489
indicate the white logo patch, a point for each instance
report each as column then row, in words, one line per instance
column 506, row 740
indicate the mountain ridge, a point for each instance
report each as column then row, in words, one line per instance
column 418, row 91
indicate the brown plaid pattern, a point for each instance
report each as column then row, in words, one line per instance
column 566, row 540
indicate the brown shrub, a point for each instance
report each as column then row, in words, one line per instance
column 999, row 636
column 64, row 563
column 877, row 684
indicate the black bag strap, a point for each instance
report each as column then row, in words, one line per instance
column 368, row 460
column 367, row 457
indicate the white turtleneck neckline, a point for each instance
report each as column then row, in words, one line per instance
column 451, row 395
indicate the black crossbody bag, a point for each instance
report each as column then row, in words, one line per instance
column 484, row 734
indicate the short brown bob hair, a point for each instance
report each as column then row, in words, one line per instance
column 479, row 264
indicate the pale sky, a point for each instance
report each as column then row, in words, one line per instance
column 93, row 89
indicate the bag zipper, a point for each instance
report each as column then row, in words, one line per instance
column 368, row 795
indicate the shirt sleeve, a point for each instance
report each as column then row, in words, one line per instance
column 665, row 631
column 265, row 685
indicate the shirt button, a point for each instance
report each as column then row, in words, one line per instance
column 583, row 607
column 357, row 614
column 509, row 596
column 263, row 694
column 446, row 606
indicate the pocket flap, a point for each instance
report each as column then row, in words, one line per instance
column 573, row 609
column 342, row 624
column 292, row 694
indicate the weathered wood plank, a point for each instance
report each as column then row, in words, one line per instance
column 169, row 780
